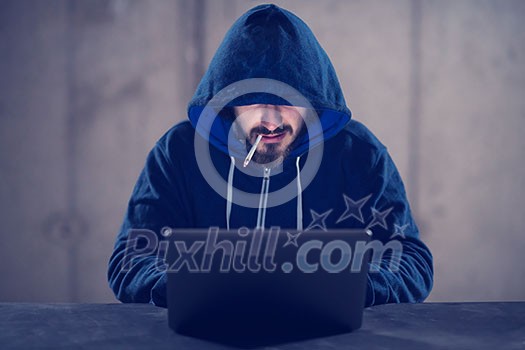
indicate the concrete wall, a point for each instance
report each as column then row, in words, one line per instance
column 88, row 86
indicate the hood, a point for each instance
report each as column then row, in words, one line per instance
column 273, row 43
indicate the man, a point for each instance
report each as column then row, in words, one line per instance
column 271, row 89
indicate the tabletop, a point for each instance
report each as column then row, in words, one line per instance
column 491, row 325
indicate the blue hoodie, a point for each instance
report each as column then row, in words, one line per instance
column 356, row 184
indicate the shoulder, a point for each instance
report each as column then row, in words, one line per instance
column 356, row 140
column 361, row 136
column 178, row 141
column 181, row 132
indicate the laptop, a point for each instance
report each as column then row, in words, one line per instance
column 255, row 287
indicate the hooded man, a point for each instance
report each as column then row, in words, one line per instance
column 270, row 142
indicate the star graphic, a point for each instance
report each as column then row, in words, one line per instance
column 292, row 239
column 379, row 217
column 318, row 220
column 353, row 208
column 399, row 231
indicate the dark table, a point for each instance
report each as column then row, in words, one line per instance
column 140, row 326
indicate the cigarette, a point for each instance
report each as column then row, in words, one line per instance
column 252, row 150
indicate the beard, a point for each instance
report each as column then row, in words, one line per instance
column 273, row 154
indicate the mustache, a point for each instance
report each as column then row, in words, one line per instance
column 265, row 131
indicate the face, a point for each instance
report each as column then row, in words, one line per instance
column 278, row 125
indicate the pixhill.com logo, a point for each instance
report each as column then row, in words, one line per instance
column 259, row 250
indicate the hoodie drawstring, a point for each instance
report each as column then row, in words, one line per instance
column 263, row 199
column 299, row 196
column 229, row 193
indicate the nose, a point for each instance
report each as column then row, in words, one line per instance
column 271, row 117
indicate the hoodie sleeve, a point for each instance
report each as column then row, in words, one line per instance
column 157, row 201
column 412, row 279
